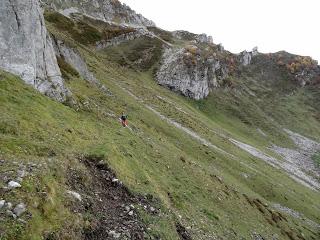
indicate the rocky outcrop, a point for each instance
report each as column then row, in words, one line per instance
column 73, row 57
column 105, row 10
column 245, row 57
column 139, row 32
column 26, row 48
column 185, row 35
column 186, row 71
column 204, row 38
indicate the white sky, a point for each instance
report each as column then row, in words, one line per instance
column 272, row 25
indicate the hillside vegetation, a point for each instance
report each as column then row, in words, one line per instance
column 176, row 164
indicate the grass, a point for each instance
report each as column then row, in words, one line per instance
column 196, row 185
column 316, row 159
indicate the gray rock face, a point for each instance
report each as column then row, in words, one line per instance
column 106, row 10
column 74, row 58
column 246, row 57
column 26, row 49
column 204, row 38
column 185, row 71
column 185, row 35
column 139, row 32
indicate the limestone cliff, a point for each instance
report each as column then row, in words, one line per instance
column 187, row 71
column 26, row 48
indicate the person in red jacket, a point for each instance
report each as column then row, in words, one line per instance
column 124, row 120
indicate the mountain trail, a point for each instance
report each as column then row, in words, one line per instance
column 177, row 125
column 291, row 163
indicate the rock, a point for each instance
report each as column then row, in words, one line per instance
column 245, row 58
column 11, row 214
column 8, row 205
column 204, row 38
column 114, row 234
column 137, row 33
column 255, row 51
column 105, row 10
column 152, row 209
column 130, row 213
column 115, row 180
column 26, row 48
column 13, row 185
column 75, row 195
column 127, row 208
column 20, row 209
column 2, row 203
column 185, row 70
column 21, row 173
column 73, row 57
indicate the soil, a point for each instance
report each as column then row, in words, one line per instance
column 108, row 204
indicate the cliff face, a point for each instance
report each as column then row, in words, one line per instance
column 26, row 48
column 106, row 10
column 186, row 71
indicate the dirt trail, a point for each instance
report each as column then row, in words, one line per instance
column 178, row 125
column 188, row 131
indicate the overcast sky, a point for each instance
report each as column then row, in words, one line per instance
column 272, row 25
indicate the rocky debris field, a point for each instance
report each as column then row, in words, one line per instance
column 112, row 210
column 297, row 162
column 12, row 176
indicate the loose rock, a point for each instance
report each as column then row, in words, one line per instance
column 11, row 214
column 8, row 205
column 2, row 202
column 13, row 185
column 20, row 209
column 75, row 195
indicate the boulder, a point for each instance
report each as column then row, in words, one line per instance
column 20, row 209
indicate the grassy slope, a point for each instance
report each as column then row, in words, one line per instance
column 198, row 183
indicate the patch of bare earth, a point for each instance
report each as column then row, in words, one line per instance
column 110, row 208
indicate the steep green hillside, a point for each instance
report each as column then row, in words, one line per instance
column 184, row 176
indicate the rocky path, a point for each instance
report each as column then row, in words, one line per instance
column 177, row 125
column 296, row 162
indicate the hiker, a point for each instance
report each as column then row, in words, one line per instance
column 124, row 120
